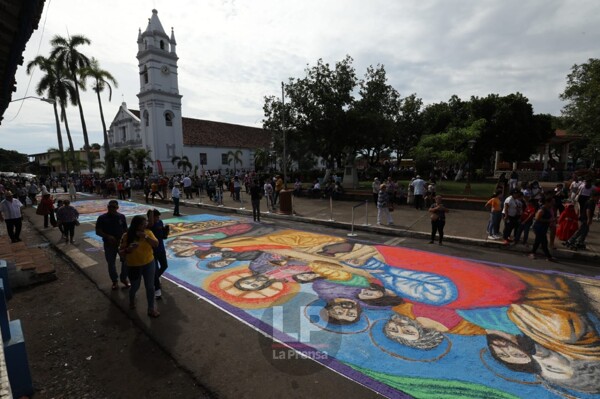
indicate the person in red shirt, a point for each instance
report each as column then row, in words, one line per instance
column 526, row 220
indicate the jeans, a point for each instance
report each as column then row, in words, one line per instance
column 523, row 229
column 13, row 227
column 493, row 228
column 136, row 273
column 580, row 235
column 510, row 225
column 110, row 254
column 176, row 204
column 69, row 230
column 256, row 210
column 419, row 201
column 161, row 266
column 52, row 219
column 541, row 238
column 437, row 226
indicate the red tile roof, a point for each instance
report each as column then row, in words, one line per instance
column 201, row 133
column 197, row 132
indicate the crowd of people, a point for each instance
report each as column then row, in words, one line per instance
column 564, row 212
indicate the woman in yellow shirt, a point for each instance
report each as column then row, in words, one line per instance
column 137, row 247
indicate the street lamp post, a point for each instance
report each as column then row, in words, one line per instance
column 471, row 144
column 48, row 100
column 284, row 143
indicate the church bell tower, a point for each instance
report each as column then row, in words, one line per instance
column 160, row 101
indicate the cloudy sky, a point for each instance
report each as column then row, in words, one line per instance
column 233, row 53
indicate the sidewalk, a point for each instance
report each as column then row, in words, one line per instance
column 462, row 226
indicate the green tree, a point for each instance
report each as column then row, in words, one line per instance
column 61, row 89
column 182, row 163
column 582, row 111
column 408, row 126
column 450, row 147
column 101, row 80
column 140, row 156
column 235, row 157
column 12, row 160
column 123, row 158
column 371, row 127
column 316, row 113
column 261, row 159
column 66, row 53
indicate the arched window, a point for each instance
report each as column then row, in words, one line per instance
column 146, row 118
column 162, row 45
column 145, row 73
column 169, row 118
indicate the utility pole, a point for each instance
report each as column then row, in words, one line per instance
column 284, row 143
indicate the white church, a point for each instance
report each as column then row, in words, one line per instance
column 159, row 126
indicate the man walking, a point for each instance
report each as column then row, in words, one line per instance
column 10, row 212
column 255, row 195
column 187, row 187
column 511, row 213
column 111, row 226
column 419, row 188
column 175, row 194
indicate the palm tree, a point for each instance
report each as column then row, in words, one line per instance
column 101, row 80
column 66, row 54
column 236, row 157
column 48, row 84
column 139, row 157
column 183, row 163
column 262, row 158
column 122, row 157
column 59, row 88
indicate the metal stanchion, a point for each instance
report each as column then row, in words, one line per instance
column 366, row 213
column 331, row 209
column 242, row 207
column 352, row 233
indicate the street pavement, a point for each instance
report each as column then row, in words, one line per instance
column 462, row 226
column 225, row 355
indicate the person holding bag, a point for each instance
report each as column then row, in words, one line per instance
column 437, row 211
column 137, row 246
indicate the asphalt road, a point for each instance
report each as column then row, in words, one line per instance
column 225, row 355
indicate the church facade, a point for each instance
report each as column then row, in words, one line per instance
column 158, row 125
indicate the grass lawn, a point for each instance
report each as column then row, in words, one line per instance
column 478, row 189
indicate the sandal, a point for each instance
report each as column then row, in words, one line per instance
column 115, row 285
column 126, row 283
column 153, row 313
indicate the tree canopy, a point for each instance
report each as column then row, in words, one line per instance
column 582, row 112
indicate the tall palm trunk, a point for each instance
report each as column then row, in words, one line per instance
column 86, row 140
column 109, row 161
column 59, row 136
column 71, row 147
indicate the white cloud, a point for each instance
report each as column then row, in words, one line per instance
column 233, row 53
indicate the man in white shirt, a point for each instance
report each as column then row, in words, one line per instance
column 187, row 187
column 419, row 187
column 127, row 187
column 511, row 213
column 10, row 212
column 175, row 194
